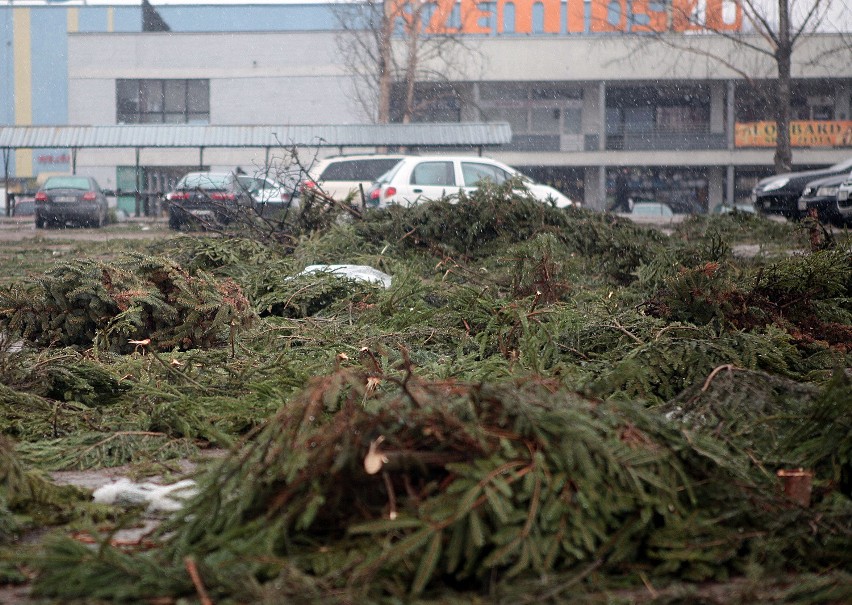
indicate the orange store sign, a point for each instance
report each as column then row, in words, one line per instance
column 803, row 133
column 570, row 16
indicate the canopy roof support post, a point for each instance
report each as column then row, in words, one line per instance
column 73, row 160
column 730, row 182
column 201, row 158
column 6, row 153
column 138, row 194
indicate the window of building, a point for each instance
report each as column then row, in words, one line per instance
column 544, row 120
column 542, row 108
column 813, row 107
column 809, row 100
column 572, row 120
column 162, row 101
column 517, row 118
column 651, row 109
column 433, row 102
column 638, row 119
column 680, row 118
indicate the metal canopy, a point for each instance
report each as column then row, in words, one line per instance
column 454, row 134
column 174, row 136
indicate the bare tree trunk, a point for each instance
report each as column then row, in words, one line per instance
column 411, row 62
column 783, row 58
column 384, row 66
column 386, row 63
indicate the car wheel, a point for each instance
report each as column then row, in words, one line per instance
column 39, row 221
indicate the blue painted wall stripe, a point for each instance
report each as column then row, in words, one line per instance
column 128, row 19
column 297, row 17
column 49, row 75
column 7, row 67
column 93, row 19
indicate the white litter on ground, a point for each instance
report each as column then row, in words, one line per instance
column 157, row 497
column 356, row 272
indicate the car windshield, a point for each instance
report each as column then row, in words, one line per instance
column 387, row 176
column 253, row 185
column 204, row 180
column 358, row 170
column 67, row 182
column 520, row 175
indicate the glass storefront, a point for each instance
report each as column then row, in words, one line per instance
column 684, row 190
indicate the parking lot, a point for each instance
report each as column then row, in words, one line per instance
column 23, row 228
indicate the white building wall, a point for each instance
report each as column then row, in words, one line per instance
column 255, row 78
column 91, row 101
column 299, row 78
column 281, row 100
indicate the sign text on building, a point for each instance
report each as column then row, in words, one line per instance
column 803, row 133
column 571, row 16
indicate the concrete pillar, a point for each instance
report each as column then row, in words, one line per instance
column 470, row 104
column 717, row 107
column 594, row 190
column 842, row 109
column 729, row 185
column 590, row 121
column 602, row 116
column 732, row 116
column 715, row 187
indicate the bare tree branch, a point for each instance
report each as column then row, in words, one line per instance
column 781, row 24
column 390, row 45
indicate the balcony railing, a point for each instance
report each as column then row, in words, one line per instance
column 697, row 139
column 635, row 141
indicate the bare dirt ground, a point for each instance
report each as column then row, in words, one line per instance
column 12, row 229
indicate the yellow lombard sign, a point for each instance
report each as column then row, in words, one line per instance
column 803, row 133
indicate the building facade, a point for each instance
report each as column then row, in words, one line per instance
column 604, row 104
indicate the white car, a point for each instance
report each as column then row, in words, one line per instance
column 430, row 177
column 344, row 177
column 844, row 200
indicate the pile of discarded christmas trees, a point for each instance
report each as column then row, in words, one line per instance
column 545, row 405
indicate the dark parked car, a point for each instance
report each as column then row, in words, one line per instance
column 24, row 206
column 821, row 195
column 208, row 197
column 70, row 199
column 780, row 194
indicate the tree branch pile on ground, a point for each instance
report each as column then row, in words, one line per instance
column 371, row 484
column 118, row 305
column 543, row 402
